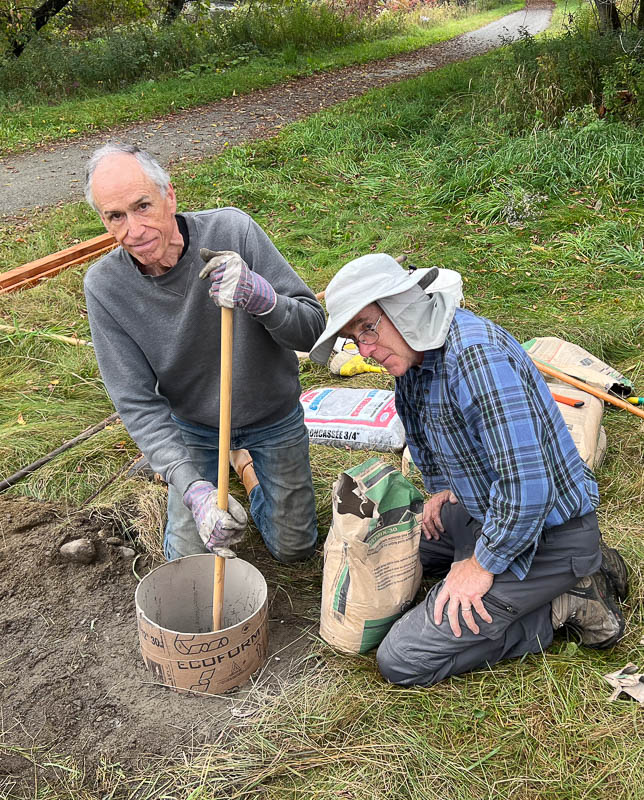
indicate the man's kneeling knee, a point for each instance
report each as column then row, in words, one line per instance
column 395, row 670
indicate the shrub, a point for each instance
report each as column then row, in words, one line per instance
column 305, row 24
column 544, row 80
column 623, row 88
column 56, row 64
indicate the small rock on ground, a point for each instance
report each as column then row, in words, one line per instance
column 79, row 550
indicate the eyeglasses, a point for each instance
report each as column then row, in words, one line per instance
column 369, row 334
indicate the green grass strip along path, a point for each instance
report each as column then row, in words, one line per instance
column 25, row 128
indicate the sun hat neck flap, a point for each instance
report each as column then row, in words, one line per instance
column 372, row 278
column 422, row 320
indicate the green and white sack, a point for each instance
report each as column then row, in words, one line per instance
column 372, row 569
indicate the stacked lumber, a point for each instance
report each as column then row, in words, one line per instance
column 35, row 271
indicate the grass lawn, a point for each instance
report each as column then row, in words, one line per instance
column 25, row 127
column 545, row 226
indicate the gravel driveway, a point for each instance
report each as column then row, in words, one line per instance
column 54, row 173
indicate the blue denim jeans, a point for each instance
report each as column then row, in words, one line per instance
column 282, row 506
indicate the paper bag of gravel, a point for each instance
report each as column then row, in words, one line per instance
column 372, row 569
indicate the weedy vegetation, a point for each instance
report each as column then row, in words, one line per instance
column 542, row 215
column 65, row 85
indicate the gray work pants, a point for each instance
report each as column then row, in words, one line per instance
column 417, row 652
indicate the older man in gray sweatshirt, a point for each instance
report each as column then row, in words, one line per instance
column 156, row 332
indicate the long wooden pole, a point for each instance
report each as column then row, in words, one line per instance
column 51, row 265
column 45, row 335
column 7, row 482
column 585, row 387
column 225, row 402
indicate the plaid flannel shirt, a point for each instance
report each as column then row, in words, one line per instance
column 481, row 421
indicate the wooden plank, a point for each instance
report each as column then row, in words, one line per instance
column 50, row 265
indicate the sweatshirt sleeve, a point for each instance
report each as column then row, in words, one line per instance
column 297, row 320
column 131, row 385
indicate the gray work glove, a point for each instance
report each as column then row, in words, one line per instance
column 217, row 528
column 234, row 285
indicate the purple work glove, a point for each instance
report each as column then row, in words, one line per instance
column 233, row 284
column 217, row 528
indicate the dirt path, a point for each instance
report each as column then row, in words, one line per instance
column 55, row 173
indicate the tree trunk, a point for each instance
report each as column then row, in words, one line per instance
column 46, row 11
column 608, row 16
column 39, row 17
column 640, row 16
column 172, row 11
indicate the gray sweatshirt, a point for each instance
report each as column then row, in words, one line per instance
column 157, row 340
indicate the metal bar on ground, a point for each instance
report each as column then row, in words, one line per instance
column 17, row 476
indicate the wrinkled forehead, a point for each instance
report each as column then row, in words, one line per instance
column 121, row 175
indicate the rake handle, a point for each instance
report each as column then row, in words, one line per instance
column 225, row 402
column 585, row 387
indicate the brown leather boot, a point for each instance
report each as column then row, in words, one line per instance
column 242, row 463
column 590, row 608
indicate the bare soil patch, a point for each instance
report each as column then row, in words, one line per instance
column 72, row 677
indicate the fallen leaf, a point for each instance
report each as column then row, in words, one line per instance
column 21, row 419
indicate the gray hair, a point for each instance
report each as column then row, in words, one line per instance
column 149, row 165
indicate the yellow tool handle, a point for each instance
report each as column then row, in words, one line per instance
column 225, row 402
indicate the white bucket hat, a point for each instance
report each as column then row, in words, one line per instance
column 422, row 320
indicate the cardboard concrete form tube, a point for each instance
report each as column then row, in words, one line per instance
column 174, row 618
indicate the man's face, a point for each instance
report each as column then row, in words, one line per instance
column 390, row 350
column 133, row 209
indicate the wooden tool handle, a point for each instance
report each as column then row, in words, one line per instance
column 218, row 592
column 608, row 398
column 225, row 401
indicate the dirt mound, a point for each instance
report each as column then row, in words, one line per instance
column 73, row 681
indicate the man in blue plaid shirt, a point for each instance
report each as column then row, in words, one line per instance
column 510, row 526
